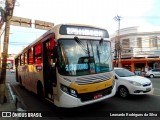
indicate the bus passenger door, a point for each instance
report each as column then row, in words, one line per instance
column 49, row 72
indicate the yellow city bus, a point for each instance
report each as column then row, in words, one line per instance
column 70, row 65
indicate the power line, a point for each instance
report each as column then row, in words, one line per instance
column 141, row 17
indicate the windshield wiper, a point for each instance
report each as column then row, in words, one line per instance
column 86, row 50
column 81, row 45
column 98, row 52
column 101, row 41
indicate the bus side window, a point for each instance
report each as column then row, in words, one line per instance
column 25, row 58
column 30, row 56
column 22, row 59
column 38, row 53
column 19, row 60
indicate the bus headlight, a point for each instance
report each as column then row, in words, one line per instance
column 68, row 90
column 72, row 91
column 64, row 89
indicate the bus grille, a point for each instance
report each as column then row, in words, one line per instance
column 93, row 79
column 90, row 96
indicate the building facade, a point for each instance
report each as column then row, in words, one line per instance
column 10, row 61
column 139, row 50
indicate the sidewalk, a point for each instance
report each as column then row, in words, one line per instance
column 9, row 105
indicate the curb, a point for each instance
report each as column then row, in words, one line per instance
column 20, row 107
column 11, row 92
column 18, row 102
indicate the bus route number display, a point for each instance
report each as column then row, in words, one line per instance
column 83, row 31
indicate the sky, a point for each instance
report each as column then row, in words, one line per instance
column 98, row 13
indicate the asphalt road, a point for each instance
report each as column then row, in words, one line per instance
column 134, row 105
column 156, row 86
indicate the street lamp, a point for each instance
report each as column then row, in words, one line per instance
column 118, row 45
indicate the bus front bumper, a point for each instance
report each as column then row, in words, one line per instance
column 69, row 101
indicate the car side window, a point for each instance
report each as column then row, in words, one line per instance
column 116, row 78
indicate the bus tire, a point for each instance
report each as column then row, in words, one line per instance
column 39, row 89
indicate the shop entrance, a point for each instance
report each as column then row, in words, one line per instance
column 139, row 68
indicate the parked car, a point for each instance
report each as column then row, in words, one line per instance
column 12, row 70
column 153, row 73
column 129, row 83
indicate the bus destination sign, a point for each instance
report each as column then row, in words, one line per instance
column 83, row 31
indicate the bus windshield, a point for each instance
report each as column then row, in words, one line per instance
column 83, row 57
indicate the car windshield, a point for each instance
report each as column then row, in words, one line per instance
column 82, row 57
column 124, row 73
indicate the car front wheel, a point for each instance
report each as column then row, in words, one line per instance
column 123, row 92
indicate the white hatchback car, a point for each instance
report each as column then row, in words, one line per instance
column 129, row 83
column 153, row 73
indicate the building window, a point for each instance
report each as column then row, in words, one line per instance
column 139, row 42
column 126, row 43
column 153, row 41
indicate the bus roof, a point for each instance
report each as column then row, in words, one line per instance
column 73, row 29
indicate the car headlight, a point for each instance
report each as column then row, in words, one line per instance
column 135, row 83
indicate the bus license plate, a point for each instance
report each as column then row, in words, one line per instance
column 98, row 96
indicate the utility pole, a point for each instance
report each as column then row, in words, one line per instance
column 118, row 44
column 7, row 17
column 2, row 12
